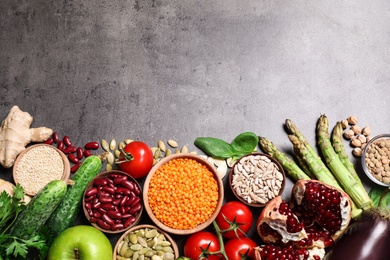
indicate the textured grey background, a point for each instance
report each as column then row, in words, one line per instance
column 181, row 69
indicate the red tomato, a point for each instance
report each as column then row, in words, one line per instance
column 137, row 159
column 236, row 248
column 234, row 215
column 198, row 244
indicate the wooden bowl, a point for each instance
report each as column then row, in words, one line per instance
column 35, row 167
column 246, row 184
column 149, row 227
column 98, row 198
column 200, row 226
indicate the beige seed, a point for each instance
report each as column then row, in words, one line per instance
column 177, row 151
column 172, row 143
column 356, row 142
column 127, row 141
column 348, row 134
column 117, row 153
column 356, row 129
column 121, row 145
column 344, row 123
column 112, row 144
column 108, row 167
column 161, row 145
column 168, row 152
column 157, row 154
column 184, row 149
column 110, row 158
column 366, row 131
column 352, row 120
column 105, row 145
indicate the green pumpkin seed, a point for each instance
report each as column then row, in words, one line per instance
column 135, row 256
column 136, row 247
column 157, row 257
column 142, row 241
column 164, row 243
column 133, row 238
column 129, row 253
column 168, row 256
column 151, row 233
column 123, row 249
column 161, row 145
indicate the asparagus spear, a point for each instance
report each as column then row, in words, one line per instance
column 303, row 149
column 289, row 165
column 338, row 146
column 355, row 190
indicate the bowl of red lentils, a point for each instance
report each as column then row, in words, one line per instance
column 39, row 164
column 112, row 202
column 256, row 178
column 376, row 159
column 183, row 194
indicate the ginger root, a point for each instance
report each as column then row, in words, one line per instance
column 15, row 134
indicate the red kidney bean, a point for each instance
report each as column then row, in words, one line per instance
column 96, row 205
column 67, row 140
column 119, row 179
column 87, row 153
column 137, row 190
column 100, row 182
column 107, row 219
column 123, row 191
column 114, row 214
column 109, row 190
column 97, row 214
column 103, row 224
column 60, row 145
column 88, row 206
column 135, row 209
column 124, row 200
column 90, row 192
column 101, row 193
column 89, row 199
column 101, row 210
column 126, row 216
column 69, row 149
column 93, row 220
column 132, row 198
column 105, row 199
column 90, row 213
column 55, row 137
column 116, row 202
column 73, row 158
column 117, row 226
column 118, row 196
column 129, row 221
column 107, row 206
column 122, row 210
column 92, row 146
column 79, row 153
column 135, row 202
column 128, row 184
column 75, row 167
column 49, row 141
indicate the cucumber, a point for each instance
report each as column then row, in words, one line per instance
column 38, row 210
column 67, row 212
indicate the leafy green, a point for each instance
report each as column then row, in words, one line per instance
column 13, row 247
column 380, row 196
column 243, row 144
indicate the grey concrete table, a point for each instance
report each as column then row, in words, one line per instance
column 152, row 70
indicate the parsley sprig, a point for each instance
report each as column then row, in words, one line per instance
column 12, row 247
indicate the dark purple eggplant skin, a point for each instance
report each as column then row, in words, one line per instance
column 367, row 238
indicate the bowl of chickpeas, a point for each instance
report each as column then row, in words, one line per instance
column 183, row 194
column 375, row 159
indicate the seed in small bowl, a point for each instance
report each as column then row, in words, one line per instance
column 376, row 159
column 257, row 178
column 183, row 193
column 145, row 242
column 38, row 165
column 113, row 202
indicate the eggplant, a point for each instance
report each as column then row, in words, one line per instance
column 367, row 238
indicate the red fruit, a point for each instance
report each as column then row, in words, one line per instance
column 315, row 217
column 272, row 252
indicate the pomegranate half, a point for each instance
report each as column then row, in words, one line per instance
column 316, row 216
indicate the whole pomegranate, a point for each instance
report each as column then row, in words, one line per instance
column 315, row 217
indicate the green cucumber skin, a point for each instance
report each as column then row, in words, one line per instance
column 67, row 212
column 38, row 210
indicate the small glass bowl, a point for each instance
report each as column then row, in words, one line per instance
column 374, row 142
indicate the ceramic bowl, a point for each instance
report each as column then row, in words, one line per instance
column 375, row 159
column 111, row 204
column 256, row 178
column 168, row 203
column 39, row 164
column 149, row 233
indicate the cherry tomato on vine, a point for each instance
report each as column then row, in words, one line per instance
column 240, row 248
column 200, row 244
column 234, row 217
column 136, row 159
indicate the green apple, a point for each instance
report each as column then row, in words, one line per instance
column 81, row 242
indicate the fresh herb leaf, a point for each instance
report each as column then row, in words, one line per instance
column 245, row 142
column 380, row 196
column 215, row 147
column 10, row 207
column 13, row 247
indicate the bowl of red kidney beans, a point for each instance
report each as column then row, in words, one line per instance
column 112, row 202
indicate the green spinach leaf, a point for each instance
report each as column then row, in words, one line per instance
column 245, row 142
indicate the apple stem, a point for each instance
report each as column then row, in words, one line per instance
column 76, row 253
